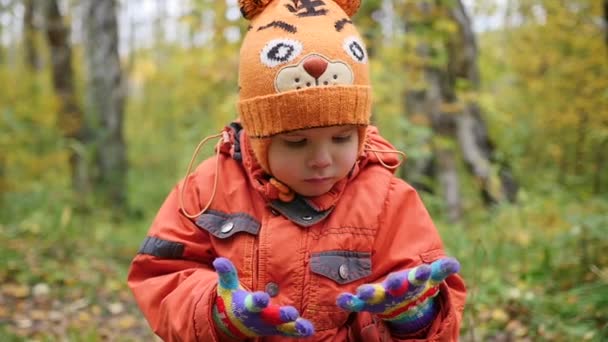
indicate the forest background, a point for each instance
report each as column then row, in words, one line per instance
column 501, row 107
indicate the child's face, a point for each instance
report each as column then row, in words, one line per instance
column 311, row 161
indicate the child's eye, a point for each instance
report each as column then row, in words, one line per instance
column 342, row 138
column 295, row 143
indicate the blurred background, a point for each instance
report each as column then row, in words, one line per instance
column 500, row 105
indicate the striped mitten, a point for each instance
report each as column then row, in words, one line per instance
column 405, row 299
column 241, row 314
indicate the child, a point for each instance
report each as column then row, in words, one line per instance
column 298, row 228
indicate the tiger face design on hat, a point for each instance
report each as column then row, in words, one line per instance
column 302, row 65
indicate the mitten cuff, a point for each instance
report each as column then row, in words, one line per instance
column 221, row 327
column 225, row 325
column 415, row 319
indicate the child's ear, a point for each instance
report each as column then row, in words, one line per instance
column 251, row 8
column 349, row 6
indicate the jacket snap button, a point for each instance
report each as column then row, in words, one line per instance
column 343, row 271
column 307, row 218
column 272, row 289
column 226, row 227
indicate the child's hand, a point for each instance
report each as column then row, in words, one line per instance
column 245, row 314
column 405, row 298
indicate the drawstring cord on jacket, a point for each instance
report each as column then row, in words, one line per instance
column 224, row 136
column 285, row 192
column 375, row 151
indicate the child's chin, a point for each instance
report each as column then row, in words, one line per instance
column 314, row 191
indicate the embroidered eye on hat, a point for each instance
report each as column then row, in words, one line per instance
column 302, row 65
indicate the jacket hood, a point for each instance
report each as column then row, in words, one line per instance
column 376, row 151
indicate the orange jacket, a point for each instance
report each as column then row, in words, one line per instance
column 303, row 253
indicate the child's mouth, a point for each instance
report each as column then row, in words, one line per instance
column 320, row 180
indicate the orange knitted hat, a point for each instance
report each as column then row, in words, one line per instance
column 302, row 65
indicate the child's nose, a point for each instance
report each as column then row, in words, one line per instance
column 321, row 158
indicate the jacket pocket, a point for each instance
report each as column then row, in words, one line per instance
column 224, row 225
column 343, row 267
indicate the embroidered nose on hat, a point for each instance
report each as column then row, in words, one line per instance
column 315, row 66
column 302, row 65
column 314, row 70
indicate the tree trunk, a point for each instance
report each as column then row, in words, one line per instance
column 600, row 165
column 443, row 160
column 105, row 99
column 476, row 146
column 1, row 45
column 602, row 154
column 579, row 147
column 3, row 182
column 29, row 35
column 421, row 170
column 448, row 179
column 606, row 21
column 453, row 120
column 70, row 117
column 429, row 102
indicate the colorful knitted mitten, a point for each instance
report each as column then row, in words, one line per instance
column 241, row 314
column 405, row 299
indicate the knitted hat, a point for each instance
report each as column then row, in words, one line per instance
column 302, row 65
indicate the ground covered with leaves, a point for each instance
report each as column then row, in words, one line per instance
column 63, row 275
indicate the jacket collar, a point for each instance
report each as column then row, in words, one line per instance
column 304, row 211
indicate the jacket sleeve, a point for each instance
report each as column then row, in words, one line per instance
column 171, row 277
column 407, row 237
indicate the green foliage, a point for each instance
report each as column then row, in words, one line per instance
column 552, row 98
column 536, row 269
column 29, row 139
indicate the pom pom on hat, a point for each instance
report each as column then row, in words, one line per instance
column 350, row 7
column 250, row 8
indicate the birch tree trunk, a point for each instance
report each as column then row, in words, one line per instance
column 1, row 47
column 29, row 35
column 3, row 180
column 71, row 120
column 429, row 102
column 606, row 21
column 455, row 123
column 105, row 99
column 496, row 181
column 602, row 154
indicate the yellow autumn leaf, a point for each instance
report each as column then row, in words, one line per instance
column 127, row 322
column 589, row 335
column 517, row 328
column 16, row 290
column 84, row 317
column 39, row 315
column 499, row 315
column 522, row 237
